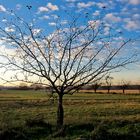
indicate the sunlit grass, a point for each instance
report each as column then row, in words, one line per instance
column 16, row 107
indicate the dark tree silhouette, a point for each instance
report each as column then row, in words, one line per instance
column 23, row 86
column 138, row 86
column 108, row 81
column 67, row 59
column 96, row 86
column 124, row 85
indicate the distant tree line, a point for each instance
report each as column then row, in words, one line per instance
column 95, row 86
column 122, row 87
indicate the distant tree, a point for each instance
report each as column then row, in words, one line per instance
column 96, row 85
column 138, row 87
column 23, row 86
column 108, row 81
column 36, row 86
column 65, row 59
column 124, row 85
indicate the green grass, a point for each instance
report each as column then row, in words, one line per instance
column 31, row 115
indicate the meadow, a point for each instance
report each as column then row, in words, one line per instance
column 31, row 115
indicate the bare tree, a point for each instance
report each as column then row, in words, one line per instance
column 96, row 85
column 108, row 80
column 67, row 59
column 124, row 85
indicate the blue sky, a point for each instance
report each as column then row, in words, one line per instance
column 124, row 15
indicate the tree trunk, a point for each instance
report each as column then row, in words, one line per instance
column 60, row 112
column 108, row 90
column 123, row 91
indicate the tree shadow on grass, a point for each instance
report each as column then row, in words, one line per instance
column 39, row 129
column 35, row 128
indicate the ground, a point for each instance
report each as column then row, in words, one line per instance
column 31, row 115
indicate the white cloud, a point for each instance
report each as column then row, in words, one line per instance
column 6, row 50
column 71, row 5
column 94, row 23
column 71, row 0
column 106, row 30
column 55, row 16
column 4, row 20
column 45, row 17
column 112, row 18
column 134, row 2
column 101, row 5
column 64, row 22
column 85, row 5
column 52, row 23
column 136, row 16
column 9, row 29
column 52, row 7
column 125, row 11
column 18, row 6
column 2, row 8
column 42, row 9
column 48, row 7
column 132, row 25
column 96, row 13
column 36, row 31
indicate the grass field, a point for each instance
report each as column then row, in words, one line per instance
column 31, row 115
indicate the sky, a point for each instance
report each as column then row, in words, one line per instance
column 124, row 15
